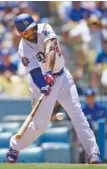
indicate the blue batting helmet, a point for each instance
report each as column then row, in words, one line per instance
column 24, row 22
column 90, row 92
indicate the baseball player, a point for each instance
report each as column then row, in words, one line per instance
column 41, row 55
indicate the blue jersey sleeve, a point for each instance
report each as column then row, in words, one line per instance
column 38, row 77
column 104, row 112
column 98, row 58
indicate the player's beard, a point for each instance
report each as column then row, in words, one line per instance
column 32, row 38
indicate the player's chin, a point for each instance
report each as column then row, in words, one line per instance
column 32, row 39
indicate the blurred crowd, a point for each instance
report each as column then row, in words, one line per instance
column 81, row 28
column 85, row 34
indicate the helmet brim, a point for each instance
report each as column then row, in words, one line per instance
column 30, row 26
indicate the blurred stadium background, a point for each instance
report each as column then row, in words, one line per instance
column 81, row 28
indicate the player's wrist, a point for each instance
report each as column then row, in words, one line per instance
column 48, row 73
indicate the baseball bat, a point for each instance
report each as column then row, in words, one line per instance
column 29, row 119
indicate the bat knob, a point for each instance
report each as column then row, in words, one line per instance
column 18, row 137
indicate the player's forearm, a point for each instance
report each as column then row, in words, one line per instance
column 50, row 55
column 50, row 60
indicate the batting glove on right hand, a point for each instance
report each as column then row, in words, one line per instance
column 50, row 79
column 46, row 90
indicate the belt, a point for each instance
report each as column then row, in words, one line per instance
column 59, row 73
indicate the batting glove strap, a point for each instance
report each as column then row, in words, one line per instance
column 48, row 73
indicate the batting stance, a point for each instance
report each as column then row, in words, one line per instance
column 41, row 55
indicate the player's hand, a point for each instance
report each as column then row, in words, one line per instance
column 46, row 90
column 50, row 79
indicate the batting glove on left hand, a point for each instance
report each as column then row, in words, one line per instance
column 50, row 79
column 46, row 90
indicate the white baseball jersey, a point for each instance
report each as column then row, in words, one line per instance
column 32, row 54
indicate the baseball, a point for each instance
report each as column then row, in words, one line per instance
column 60, row 116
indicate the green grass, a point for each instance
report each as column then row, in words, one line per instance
column 52, row 166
